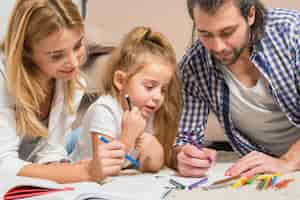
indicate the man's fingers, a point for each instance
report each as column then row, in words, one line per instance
column 244, row 165
column 187, row 171
column 193, row 162
column 211, row 154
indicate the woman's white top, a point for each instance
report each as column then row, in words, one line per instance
column 43, row 150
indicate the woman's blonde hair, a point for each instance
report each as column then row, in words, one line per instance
column 140, row 47
column 32, row 21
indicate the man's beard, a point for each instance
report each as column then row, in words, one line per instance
column 236, row 52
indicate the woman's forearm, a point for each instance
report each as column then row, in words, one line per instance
column 59, row 172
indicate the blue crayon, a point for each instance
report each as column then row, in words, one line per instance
column 127, row 157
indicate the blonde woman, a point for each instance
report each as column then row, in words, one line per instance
column 40, row 89
column 143, row 68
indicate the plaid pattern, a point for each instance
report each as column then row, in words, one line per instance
column 276, row 55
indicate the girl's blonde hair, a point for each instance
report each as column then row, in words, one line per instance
column 140, row 47
column 32, row 21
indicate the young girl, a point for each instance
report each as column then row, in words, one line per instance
column 144, row 68
column 40, row 88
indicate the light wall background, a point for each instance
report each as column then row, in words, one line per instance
column 6, row 7
column 114, row 18
column 109, row 20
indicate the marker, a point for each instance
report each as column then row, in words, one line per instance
column 176, row 184
column 197, row 183
column 274, row 180
column 251, row 180
column 212, row 187
column 127, row 157
column 242, row 181
column 226, row 180
column 197, row 145
column 128, row 102
column 166, row 193
column 283, row 184
column 260, row 185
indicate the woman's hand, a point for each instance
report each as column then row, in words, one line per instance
column 107, row 160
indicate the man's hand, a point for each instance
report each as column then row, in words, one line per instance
column 194, row 162
column 256, row 163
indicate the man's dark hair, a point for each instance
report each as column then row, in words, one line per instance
column 211, row 6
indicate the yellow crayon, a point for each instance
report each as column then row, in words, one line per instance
column 268, row 183
column 267, row 176
column 242, row 181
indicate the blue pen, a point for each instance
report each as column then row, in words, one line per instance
column 127, row 157
column 197, row 183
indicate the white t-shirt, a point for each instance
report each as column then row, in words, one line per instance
column 103, row 116
column 255, row 114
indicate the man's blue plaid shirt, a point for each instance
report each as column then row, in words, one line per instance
column 276, row 55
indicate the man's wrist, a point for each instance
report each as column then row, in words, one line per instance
column 291, row 164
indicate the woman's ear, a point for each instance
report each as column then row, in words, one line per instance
column 119, row 79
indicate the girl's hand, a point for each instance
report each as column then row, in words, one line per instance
column 133, row 125
column 107, row 160
column 151, row 153
column 146, row 141
column 256, row 163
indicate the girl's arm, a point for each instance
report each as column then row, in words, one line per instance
column 133, row 125
column 151, row 153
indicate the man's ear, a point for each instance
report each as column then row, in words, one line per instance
column 119, row 79
column 251, row 15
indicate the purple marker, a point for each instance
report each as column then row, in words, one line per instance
column 190, row 139
column 199, row 146
column 197, row 183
